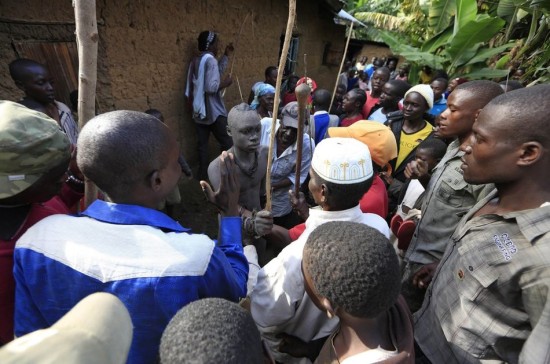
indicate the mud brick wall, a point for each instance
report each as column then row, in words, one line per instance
column 145, row 48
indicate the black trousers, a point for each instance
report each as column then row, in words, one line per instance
column 219, row 129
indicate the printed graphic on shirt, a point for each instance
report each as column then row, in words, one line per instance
column 505, row 245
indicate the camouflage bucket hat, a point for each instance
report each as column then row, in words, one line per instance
column 31, row 144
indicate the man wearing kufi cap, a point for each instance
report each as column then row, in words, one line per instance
column 34, row 157
column 341, row 172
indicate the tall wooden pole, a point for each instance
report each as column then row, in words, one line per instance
column 302, row 92
column 87, row 38
column 282, row 62
column 341, row 65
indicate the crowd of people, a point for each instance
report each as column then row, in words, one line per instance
column 407, row 224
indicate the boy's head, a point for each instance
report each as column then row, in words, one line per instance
column 156, row 113
column 287, row 133
column 379, row 78
column 378, row 63
column 376, row 136
column 244, row 127
column 340, row 92
column 321, row 100
column 34, row 155
column 211, row 330
column 418, row 100
column 354, row 100
column 439, row 86
column 208, row 42
column 351, row 267
column 341, row 173
column 392, row 64
column 292, row 81
column 431, row 151
column 510, row 139
column 392, row 92
column 270, row 74
column 463, row 105
column 34, row 79
column 131, row 156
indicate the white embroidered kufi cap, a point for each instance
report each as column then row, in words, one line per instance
column 342, row 160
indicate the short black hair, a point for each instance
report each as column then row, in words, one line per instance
column 341, row 196
column 268, row 71
column 400, row 87
column 482, row 91
column 435, row 147
column 119, row 149
column 442, row 80
column 211, row 330
column 202, row 40
column 525, row 113
column 321, row 99
column 19, row 67
column 511, row 85
column 360, row 95
column 354, row 266
column 154, row 112
column 385, row 70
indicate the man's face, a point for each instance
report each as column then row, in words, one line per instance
column 491, row 154
column 414, row 106
column 286, row 135
column 340, row 92
column 389, row 97
column 391, row 65
column 348, row 103
column 438, row 88
column 266, row 101
column 246, row 134
column 378, row 80
column 38, row 85
column 459, row 116
column 272, row 78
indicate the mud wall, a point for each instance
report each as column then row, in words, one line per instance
column 145, row 47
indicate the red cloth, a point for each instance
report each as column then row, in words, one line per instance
column 351, row 121
column 59, row 204
column 289, row 97
column 375, row 201
column 371, row 101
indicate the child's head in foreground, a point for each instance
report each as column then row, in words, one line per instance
column 131, row 156
column 431, row 151
column 351, row 269
column 211, row 330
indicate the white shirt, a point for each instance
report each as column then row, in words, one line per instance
column 279, row 302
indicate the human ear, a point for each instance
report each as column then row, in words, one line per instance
column 328, row 307
column 155, row 180
column 531, row 152
column 228, row 130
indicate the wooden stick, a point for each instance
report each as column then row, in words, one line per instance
column 341, row 65
column 87, row 38
column 282, row 61
column 302, row 92
column 235, row 52
column 239, row 85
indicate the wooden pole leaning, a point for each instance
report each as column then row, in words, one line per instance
column 302, row 92
column 341, row 66
column 87, row 42
column 282, row 61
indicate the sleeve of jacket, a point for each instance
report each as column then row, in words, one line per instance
column 227, row 272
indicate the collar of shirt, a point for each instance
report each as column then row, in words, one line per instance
column 131, row 215
column 318, row 216
column 320, row 112
column 532, row 223
column 441, row 101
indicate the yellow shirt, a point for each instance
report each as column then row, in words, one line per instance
column 408, row 142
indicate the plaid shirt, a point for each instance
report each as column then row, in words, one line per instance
column 490, row 296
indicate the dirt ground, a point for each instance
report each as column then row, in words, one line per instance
column 195, row 212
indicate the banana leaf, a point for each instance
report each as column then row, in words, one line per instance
column 484, row 54
column 466, row 11
column 437, row 41
column 486, row 73
column 441, row 12
column 477, row 31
